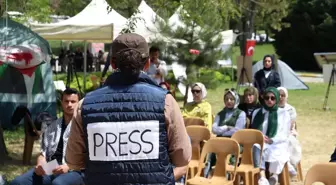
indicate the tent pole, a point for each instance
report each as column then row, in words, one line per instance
column 85, row 62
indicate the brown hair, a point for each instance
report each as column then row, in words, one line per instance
column 254, row 91
column 130, row 62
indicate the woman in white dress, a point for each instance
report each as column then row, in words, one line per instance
column 274, row 124
column 294, row 145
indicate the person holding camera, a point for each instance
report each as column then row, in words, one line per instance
column 158, row 68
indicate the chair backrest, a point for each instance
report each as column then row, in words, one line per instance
column 193, row 121
column 248, row 123
column 324, row 172
column 247, row 138
column 223, row 148
column 197, row 134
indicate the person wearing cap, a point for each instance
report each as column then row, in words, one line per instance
column 130, row 131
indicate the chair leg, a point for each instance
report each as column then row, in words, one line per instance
column 284, row 176
column 247, row 179
column 192, row 172
column 28, row 149
column 237, row 179
column 299, row 172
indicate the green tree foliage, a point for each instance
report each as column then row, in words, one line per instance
column 33, row 9
column 312, row 29
column 71, row 7
column 126, row 8
column 259, row 14
column 198, row 32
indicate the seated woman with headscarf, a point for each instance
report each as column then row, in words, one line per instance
column 266, row 77
column 294, row 145
column 199, row 108
column 250, row 102
column 274, row 124
column 291, row 110
column 227, row 122
column 231, row 118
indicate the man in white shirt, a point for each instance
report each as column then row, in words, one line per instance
column 158, row 68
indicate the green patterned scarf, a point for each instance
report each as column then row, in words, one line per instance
column 272, row 116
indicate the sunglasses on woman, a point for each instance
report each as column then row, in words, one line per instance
column 227, row 89
column 269, row 98
column 195, row 91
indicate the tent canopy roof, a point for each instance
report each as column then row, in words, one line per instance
column 93, row 23
column 148, row 26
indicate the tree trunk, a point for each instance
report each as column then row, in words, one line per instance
column 267, row 37
column 251, row 19
column 185, row 101
column 243, row 36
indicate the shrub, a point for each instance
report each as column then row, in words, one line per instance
column 227, row 71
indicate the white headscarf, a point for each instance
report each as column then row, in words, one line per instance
column 203, row 89
column 288, row 107
column 285, row 91
column 236, row 97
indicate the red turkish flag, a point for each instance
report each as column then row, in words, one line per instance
column 250, row 44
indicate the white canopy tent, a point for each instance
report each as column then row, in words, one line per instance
column 93, row 24
column 148, row 24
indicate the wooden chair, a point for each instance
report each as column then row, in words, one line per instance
column 197, row 135
column 223, row 148
column 324, row 172
column 247, row 138
column 193, row 121
column 31, row 134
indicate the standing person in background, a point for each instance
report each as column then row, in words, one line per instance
column 79, row 60
column 158, row 68
column 266, row 77
column 131, row 131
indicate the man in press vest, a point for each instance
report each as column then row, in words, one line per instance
column 131, row 131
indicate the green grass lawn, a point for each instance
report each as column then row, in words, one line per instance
column 316, row 127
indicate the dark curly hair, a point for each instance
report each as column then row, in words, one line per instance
column 130, row 62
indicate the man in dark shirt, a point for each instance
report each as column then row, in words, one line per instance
column 53, row 147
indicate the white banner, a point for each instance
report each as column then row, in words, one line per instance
column 123, row 141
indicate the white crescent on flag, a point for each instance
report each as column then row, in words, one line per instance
column 250, row 50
